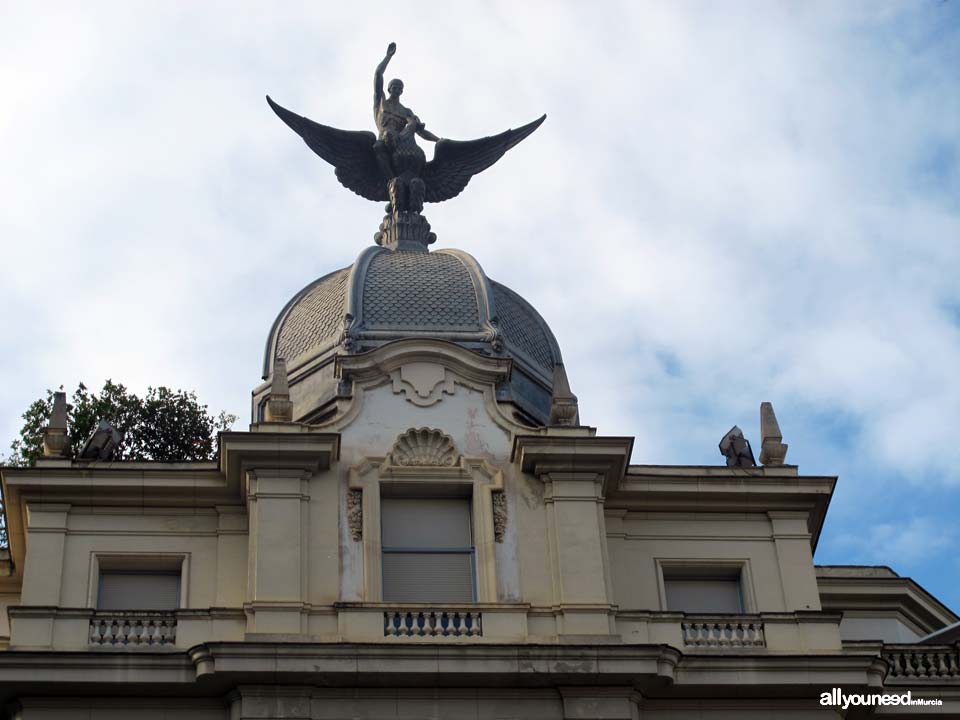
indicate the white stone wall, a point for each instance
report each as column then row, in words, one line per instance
column 637, row 541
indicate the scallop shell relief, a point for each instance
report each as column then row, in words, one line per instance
column 424, row 446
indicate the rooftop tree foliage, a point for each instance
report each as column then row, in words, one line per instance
column 164, row 425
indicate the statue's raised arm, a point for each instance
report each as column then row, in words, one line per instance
column 378, row 79
column 391, row 166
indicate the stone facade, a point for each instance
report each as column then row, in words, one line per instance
column 582, row 566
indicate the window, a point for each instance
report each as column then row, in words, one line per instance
column 706, row 590
column 136, row 590
column 138, row 581
column 428, row 550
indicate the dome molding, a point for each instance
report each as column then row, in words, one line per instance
column 484, row 292
column 374, row 368
column 354, row 295
column 389, row 295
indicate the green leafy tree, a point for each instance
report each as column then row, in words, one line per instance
column 165, row 425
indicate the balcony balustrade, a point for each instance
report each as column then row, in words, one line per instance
column 129, row 628
column 910, row 662
column 723, row 633
column 432, row 623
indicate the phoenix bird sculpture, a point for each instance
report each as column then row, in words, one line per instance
column 391, row 166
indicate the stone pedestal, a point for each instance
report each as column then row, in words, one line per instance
column 405, row 230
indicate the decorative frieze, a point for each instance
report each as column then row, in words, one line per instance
column 432, row 623
column 355, row 514
column 499, row 515
column 723, row 634
column 423, row 383
column 424, row 447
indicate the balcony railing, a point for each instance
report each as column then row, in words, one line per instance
column 131, row 628
column 432, row 623
column 725, row 633
column 909, row 662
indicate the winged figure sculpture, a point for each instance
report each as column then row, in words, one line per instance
column 390, row 165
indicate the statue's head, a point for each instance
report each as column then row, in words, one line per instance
column 395, row 88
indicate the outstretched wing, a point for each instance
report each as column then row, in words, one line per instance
column 455, row 162
column 350, row 152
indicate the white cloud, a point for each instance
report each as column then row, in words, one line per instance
column 901, row 543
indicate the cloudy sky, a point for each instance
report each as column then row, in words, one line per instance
column 729, row 203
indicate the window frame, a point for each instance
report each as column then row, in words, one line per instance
column 696, row 568
column 138, row 562
column 471, row 477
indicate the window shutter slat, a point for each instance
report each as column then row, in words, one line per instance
column 703, row 595
column 428, row 577
column 425, row 522
column 138, row 591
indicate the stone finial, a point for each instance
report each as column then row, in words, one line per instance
column 773, row 451
column 279, row 407
column 736, row 448
column 563, row 406
column 56, row 441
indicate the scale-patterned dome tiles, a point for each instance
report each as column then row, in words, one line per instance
column 317, row 316
column 522, row 328
column 414, row 290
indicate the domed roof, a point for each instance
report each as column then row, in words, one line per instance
column 389, row 295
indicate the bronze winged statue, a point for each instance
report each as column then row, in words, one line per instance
column 391, row 166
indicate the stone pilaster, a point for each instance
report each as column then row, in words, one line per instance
column 279, row 471
column 791, row 537
column 577, row 469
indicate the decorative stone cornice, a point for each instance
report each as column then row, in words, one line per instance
column 606, row 457
column 516, row 665
column 870, row 593
column 375, row 364
column 424, row 371
column 683, row 488
column 118, row 484
column 303, row 452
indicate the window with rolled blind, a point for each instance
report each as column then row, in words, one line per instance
column 704, row 594
column 133, row 590
column 428, row 553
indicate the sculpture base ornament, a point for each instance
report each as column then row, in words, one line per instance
column 404, row 230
